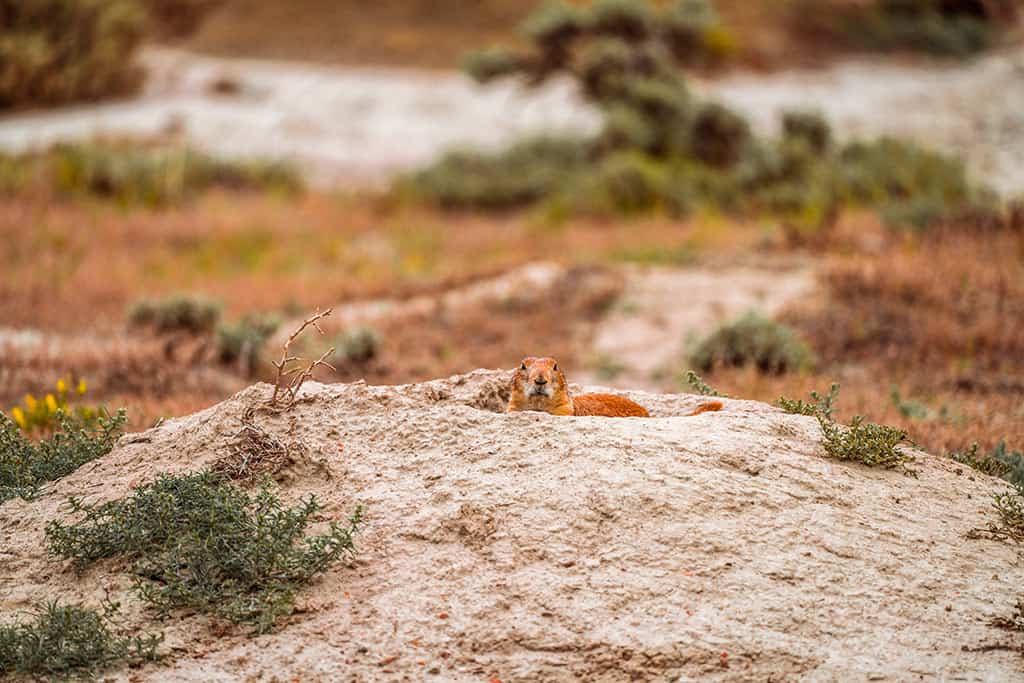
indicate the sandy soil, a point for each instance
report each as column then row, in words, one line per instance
column 362, row 125
column 531, row 547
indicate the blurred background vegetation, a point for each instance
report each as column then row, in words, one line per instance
column 164, row 275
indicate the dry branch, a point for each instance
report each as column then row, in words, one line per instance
column 286, row 390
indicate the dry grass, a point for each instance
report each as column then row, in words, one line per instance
column 432, row 34
column 257, row 254
column 937, row 316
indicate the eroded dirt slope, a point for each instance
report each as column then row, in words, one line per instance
column 532, row 547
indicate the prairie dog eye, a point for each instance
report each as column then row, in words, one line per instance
column 523, row 366
column 556, row 367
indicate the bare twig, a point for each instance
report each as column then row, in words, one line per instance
column 287, row 391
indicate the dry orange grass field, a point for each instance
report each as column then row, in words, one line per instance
column 936, row 316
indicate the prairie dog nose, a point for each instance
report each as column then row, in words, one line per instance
column 540, row 380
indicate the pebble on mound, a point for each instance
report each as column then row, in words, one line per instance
column 532, row 547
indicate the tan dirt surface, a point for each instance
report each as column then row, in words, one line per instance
column 532, row 547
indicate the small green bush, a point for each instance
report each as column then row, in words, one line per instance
column 59, row 51
column 820, row 405
column 752, row 340
column 196, row 541
column 865, row 442
column 359, row 345
column 69, row 640
column 26, row 466
column 808, row 126
column 1009, row 507
column 521, row 175
column 700, row 386
column 139, row 173
column 720, row 136
column 943, row 28
column 241, row 343
column 871, row 444
column 1000, row 462
column 180, row 313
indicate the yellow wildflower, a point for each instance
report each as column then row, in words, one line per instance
column 51, row 403
column 62, row 386
column 30, row 403
column 19, row 416
column 81, row 386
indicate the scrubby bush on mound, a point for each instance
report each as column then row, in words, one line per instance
column 58, row 51
column 752, row 340
column 69, row 640
column 868, row 443
column 198, row 542
column 135, row 172
column 662, row 149
column 25, row 466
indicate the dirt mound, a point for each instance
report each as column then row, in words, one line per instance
column 532, row 547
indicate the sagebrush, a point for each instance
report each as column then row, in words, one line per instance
column 196, row 541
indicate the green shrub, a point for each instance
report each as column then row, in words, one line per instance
column 359, row 345
column 820, row 405
column 720, row 136
column 865, row 442
column 26, row 466
column 752, row 340
column 808, row 126
column 180, row 313
column 197, row 542
column 526, row 172
column 943, row 28
column 1000, row 462
column 622, row 183
column 58, row 51
column 700, row 386
column 69, row 640
column 487, row 65
column 241, row 343
column 870, row 444
column 155, row 175
column 1009, row 508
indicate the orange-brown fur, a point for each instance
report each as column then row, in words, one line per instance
column 539, row 385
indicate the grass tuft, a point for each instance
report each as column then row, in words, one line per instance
column 58, row 641
column 198, row 542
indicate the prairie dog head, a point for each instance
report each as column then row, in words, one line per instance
column 539, row 378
